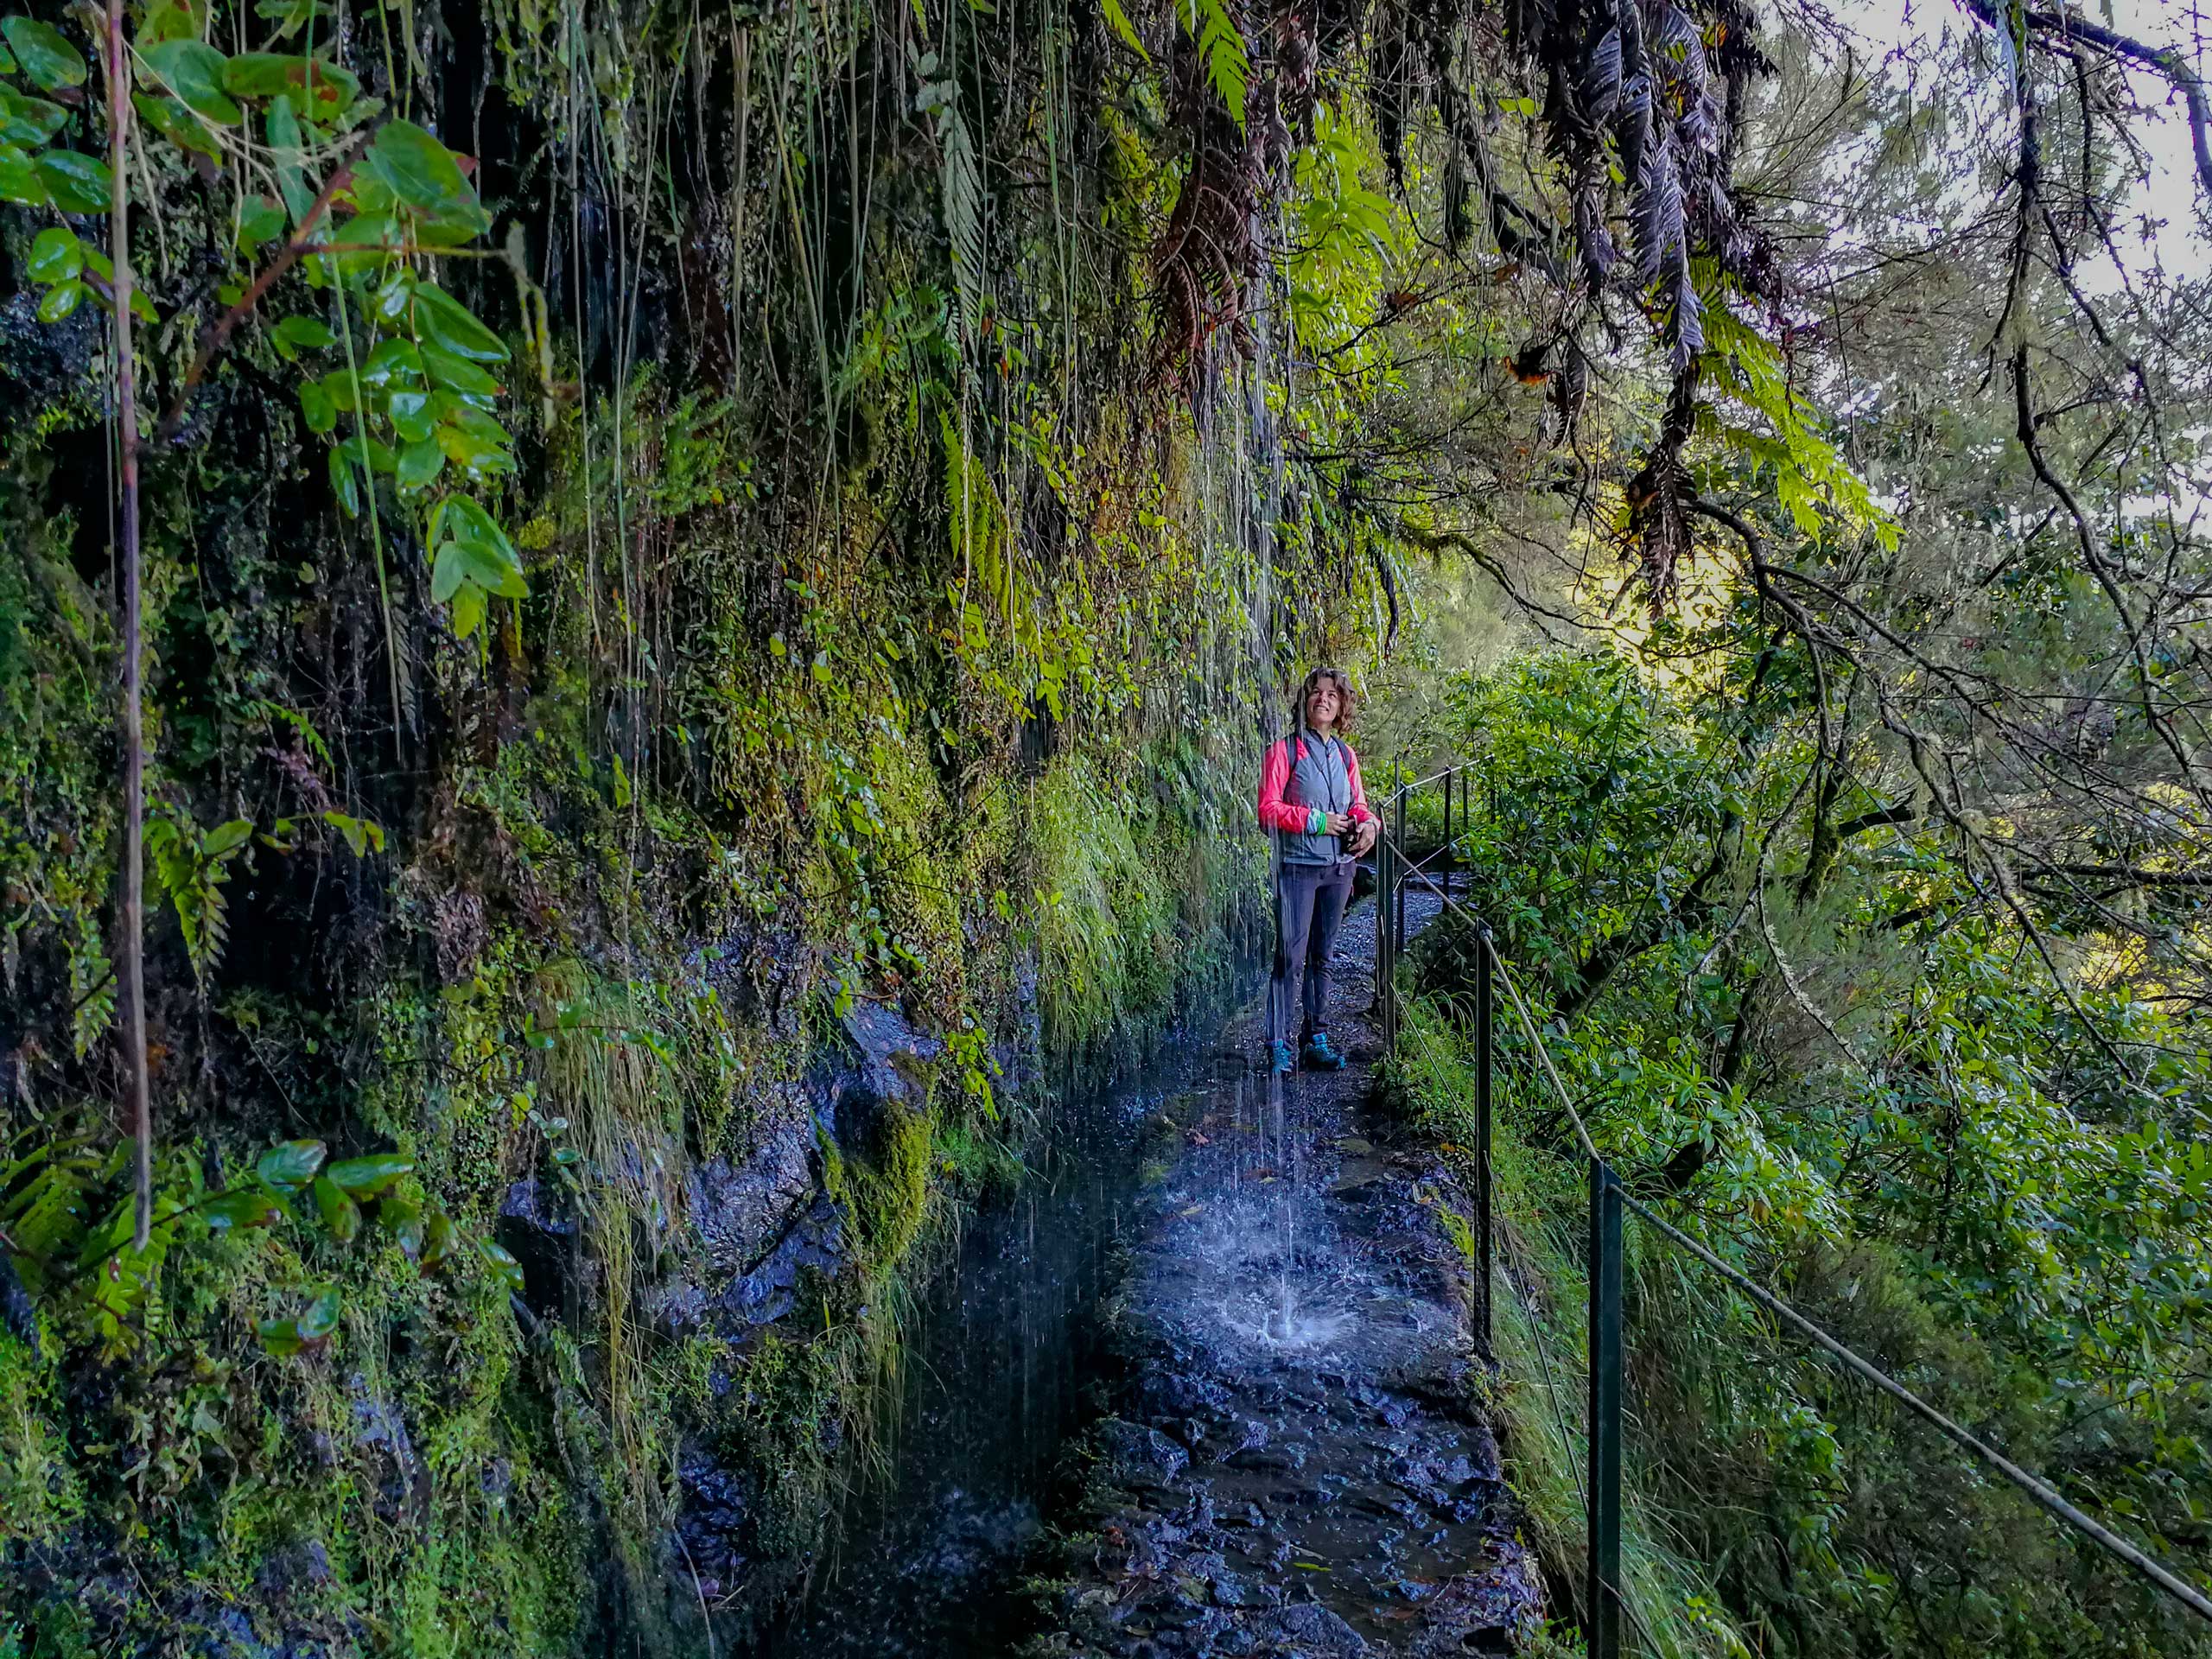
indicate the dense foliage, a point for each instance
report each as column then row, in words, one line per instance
column 560, row 563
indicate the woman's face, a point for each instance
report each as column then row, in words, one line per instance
column 1322, row 704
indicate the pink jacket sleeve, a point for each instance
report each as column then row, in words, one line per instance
column 1276, row 813
column 1360, row 813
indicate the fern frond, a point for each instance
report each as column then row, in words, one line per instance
column 1222, row 49
column 963, row 186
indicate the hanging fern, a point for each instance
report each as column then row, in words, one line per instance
column 1221, row 47
column 191, row 868
column 961, row 179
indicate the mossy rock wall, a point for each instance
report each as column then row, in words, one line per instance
column 878, row 727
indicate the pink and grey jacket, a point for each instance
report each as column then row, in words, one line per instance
column 1304, row 778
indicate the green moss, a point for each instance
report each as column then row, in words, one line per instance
column 40, row 1492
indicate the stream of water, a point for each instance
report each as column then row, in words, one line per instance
column 1238, row 1318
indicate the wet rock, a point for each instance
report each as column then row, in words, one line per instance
column 537, row 1225
column 815, row 1243
column 739, row 1210
column 1312, row 1630
column 764, row 973
column 17, row 1311
column 714, row 1523
column 380, row 1430
column 1140, row 1457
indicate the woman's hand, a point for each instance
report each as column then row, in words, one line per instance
column 1337, row 823
column 1364, row 840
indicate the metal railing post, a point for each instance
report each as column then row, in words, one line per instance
column 1605, row 1588
column 1386, row 977
column 1485, row 1012
column 1398, row 920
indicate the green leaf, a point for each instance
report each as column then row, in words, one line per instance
column 248, row 1206
column 420, row 463
column 343, row 483
column 392, row 358
column 61, row 300
column 304, row 333
column 439, row 1237
column 319, row 88
column 339, row 1211
column 56, row 255
column 75, row 183
column 169, row 117
column 457, row 374
column 19, row 180
column 290, row 1165
column 44, row 53
column 259, row 221
column 444, row 322
column 168, row 21
column 224, row 841
column 468, row 608
column 284, row 1337
column 367, row 1177
column 290, row 157
column 192, row 70
column 421, row 171
column 468, row 450
column 322, row 416
column 411, row 414
column 503, row 1263
column 27, row 120
column 403, row 1218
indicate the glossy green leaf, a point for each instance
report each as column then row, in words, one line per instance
column 420, row 463
column 411, row 414
column 193, row 71
column 304, row 333
column 392, row 361
column 290, row 1165
column 61, row 300
column 440, row 1235
column 418, row 170
column 44, row 53
column 75, row 183
column 289, row 155
column 444, row 321
column 457, row 374
column 343, row 483
column 503, row 1263
column 367, row 1177
column 468, row 450
column 55, row 255
column 19, row 180
column 336, row 1207
column 260, row 220
column 316, row 408
column 284, row 1337
column 249, row 1206
column 169, row 117
column 401, row 1217
column 27, row 120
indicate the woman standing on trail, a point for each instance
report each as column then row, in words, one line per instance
column 1315, row 813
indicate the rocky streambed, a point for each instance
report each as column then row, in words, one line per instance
column 1292, row 1462
column 1207, row 1388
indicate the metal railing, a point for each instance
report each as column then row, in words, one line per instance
column 1607, row 1610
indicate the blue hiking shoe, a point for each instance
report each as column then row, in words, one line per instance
column 1283, row 1060
column 1321, row 1055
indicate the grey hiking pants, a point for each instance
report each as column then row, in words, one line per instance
column 1310, row 900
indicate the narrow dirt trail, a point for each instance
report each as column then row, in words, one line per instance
column 1294, row 1464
